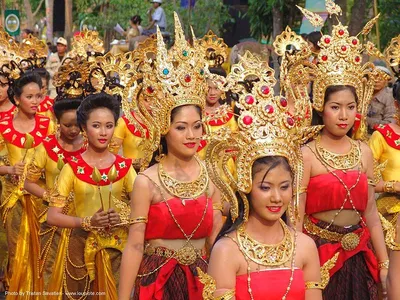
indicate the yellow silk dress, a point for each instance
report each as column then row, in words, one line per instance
column 131, row 138
column 385, row 146
column 87, row 263
column 45, row 162
column 19, row 211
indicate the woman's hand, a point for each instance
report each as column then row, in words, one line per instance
column 100, row 219
column 18, row 168
column 383, row 273
column 113, row 217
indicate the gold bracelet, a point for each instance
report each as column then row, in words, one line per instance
column 86, row 223
column 389, row 187
column 138, row 220
column 46, row 196
column 371, row 182
column 302, row 190
column 383, row 265
column 313, row 285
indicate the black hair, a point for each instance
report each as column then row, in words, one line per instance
column 316, row 116
column 163, row 141
column 304, row 36
column 95, row 101
column 43, row 73
column 136, row 19
column 217, row 70
column 16, row 89
column 396, row 91
column 62, row 105
column 28, row 31
column 272, row 162
column 314, row 37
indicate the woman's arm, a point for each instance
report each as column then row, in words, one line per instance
column 393, row 286
column 307, row 160
column 17, row 169
column 372, row 218
column 133, row 252
column 217, row 217
column 34, row 189
column 224, row 266
column 311, row 266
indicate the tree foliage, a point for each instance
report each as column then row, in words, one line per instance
column 389, row 22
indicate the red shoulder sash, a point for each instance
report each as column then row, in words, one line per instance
column 55, row 151
column 46, row 104
column 391, row 137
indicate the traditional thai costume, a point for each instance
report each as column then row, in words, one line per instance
column 86, row 262
column 8, row 113
column 45, row 108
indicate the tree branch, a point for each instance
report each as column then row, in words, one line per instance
column 38, row 8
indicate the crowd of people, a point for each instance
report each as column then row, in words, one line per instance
column 208, row 184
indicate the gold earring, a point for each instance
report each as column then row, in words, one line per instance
column 58, row 131
column 160, row 155
column 85, row 139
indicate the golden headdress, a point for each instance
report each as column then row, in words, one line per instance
column 265, row 129
column 71, row 78
column 392, row 55
column 215, row 49
column 177, row 77
column 87, row 44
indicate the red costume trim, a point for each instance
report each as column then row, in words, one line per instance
column 8, row 113
column 132, row 127
column 391, row 137
column 17, row 138
column 84, row 172
column 221, row 121
column 54, row 149
column 46, row 104
column 327, row 251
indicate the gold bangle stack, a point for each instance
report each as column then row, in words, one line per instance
column 383, row 265
column 138, row 220
column 86, row 223
column 314, row 285
column 46, row 196
column 218, row 206
column 389, row 187
column 371, row 182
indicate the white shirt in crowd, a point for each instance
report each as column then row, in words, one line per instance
column 159, row 17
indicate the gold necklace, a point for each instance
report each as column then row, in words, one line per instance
column 339, row 161
column 266, row 255
column 183, row 189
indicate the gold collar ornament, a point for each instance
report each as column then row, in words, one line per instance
column 182, row 189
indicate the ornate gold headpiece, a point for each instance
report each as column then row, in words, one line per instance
column 215, row 49
column 178, row 78
column 392, row 55
column 265, row 129
column 87, row 44
column 71, row 78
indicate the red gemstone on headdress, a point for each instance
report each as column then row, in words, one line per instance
column 290, row 121
column 341, row 32
column 357, row 59
column 354, row 42
column 150, row 90
column 247, row 120
column 344, row 48
column 327, row 40
column 188, row 78
column 249, row 99
column 269, row 109
column 324, row 57
column 284, row 102
column 265, row 90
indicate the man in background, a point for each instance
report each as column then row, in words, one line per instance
column 157, row 17
column 54, row 62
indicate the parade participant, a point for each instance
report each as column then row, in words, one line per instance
column 393, row 243
column 21, row 134
column 216, row 53
column 46, row 106
column 53, row 153
column 95, row 218
column 338, row 195
column 172, row 215
column 256, row 254
column 386, row 150
column 6, row 107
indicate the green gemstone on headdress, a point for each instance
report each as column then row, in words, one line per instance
column 185, row 53
column 165, row 71
column 201, row 72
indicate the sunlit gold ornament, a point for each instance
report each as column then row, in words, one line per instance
column 87, row 44
column 215, row 49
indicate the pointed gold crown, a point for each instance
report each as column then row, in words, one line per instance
column 87, row 44
column 340, row 63
column 265, row 129
column 215, row 49
column 392, row 55
column 34, row 52
column 178, row 78
column 71, row 78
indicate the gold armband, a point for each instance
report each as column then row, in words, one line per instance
column 218, row 206
column 314, row 285
column 210, row 287
column 138, row 220
column 371, row 182
column 389, row 187
column 86, row 223
column 383, row 265
column 46, row 196
column 57, row 201
column 302, row 190
column 389, row 239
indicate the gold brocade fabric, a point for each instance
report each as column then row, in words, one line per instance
column 130, row 143
column 75, row 261
column 389, row 206
column 383, row 152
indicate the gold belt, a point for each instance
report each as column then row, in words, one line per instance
column 185, row 256
column 349, row 241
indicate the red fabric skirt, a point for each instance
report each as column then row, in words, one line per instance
column 172, row 281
